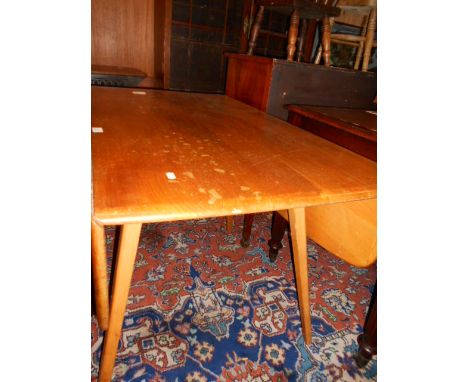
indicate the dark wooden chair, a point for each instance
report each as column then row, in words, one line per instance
column 361, row 14
column 298, row 9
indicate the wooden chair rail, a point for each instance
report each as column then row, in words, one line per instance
column 320, row 9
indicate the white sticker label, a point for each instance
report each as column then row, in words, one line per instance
column 170, row 175
column 97, row 129
column 138, row 92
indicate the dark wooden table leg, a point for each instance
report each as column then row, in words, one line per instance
column 278, row 228
column 247, row 230
column 368, row 339
column 255, row 29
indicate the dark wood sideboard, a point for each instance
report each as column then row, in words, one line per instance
column 269, row 84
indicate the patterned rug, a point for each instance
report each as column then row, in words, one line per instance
column 202, row 308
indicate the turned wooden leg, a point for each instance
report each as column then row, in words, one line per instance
column 99, row 272
column 318, row 57
column 368, row 339
column 278, row 228
column 128, row 246
column 292, row 34
column 326, row 40
column 229, row 223
column 361, row 46
column 302, row 36
column 299, row 244
column 371, row 26
column 247, row 230
column 255, row 29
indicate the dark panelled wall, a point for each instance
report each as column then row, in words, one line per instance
column 202, row 31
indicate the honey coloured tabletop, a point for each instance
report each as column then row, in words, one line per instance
column 227, row 158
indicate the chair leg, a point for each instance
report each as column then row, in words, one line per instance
column 255, row 29
column 368, row 339
column 292, row 34
column 360, row 50
column 299, row 243
column 319, row 54
column 369, row 39
column 278, row 228
column 326, row 40
column 247, row 230
column 318, row 57
column 99, row 272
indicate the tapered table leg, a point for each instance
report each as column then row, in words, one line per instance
column 278, row 228
column 299, row 244
column 128, row 246
column 99, row 272
column 368, row 339
column 247, row 230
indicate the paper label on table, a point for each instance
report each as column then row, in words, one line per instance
column 138, row 92
column 97, row 129
column 170, row 175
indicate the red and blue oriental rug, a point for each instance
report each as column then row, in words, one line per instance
column 202, row 309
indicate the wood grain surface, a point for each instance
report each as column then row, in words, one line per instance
column 248, row 79
column 122, row 34
column 228, row 158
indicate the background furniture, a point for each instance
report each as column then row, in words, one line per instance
column 268, row 84
column 305, row 9
column 179, row 44
column 354, row 129
column 361, row 14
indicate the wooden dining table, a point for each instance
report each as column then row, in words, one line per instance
column 160, row 156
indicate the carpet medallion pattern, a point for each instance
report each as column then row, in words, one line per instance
column 201, row 309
